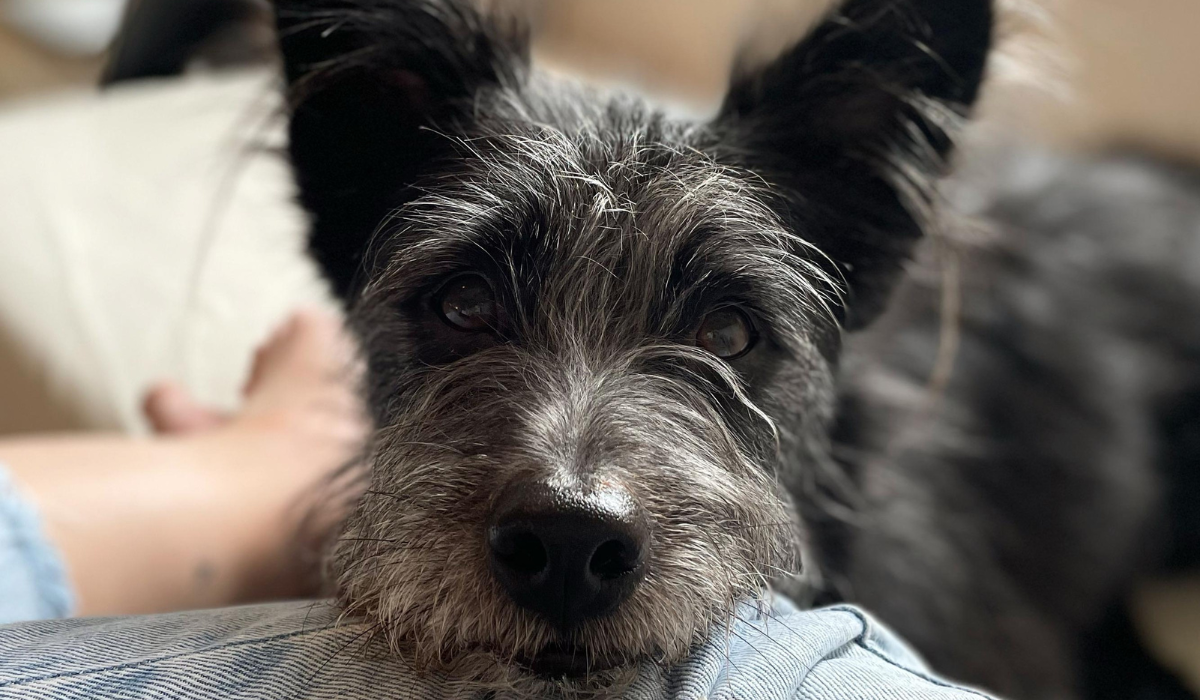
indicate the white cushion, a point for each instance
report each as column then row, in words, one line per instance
column 147, row 232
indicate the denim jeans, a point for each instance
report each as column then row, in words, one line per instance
column 300, row 650
column 33, row 583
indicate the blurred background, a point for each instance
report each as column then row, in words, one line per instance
column 147, row 229
column 1123, row 70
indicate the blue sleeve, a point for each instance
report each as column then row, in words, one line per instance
column 33, row 581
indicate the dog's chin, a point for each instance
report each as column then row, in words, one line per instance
column 553, row 671
column 569, row 662
column 557, row 665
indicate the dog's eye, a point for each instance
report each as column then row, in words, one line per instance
column 467, row 303
column 726, row 333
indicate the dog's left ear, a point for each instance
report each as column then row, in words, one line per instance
column 853, row 125
column 371, row 83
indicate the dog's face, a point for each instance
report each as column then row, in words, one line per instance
column 601, row 342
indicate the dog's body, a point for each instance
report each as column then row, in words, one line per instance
column 609, row 360
column 1010, row 507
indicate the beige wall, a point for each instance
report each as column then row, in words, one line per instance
column 1134, row 65
column 27, row 69
column 1136, row 72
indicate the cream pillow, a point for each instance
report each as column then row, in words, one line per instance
column 147, row 232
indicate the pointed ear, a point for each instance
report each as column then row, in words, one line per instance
column 370, row 83
column 853, row 126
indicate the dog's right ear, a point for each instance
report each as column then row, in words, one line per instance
column 853, row 126
column 370, row 83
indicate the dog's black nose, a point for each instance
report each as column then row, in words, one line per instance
column 568, row 555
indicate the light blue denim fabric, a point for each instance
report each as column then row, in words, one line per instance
column 300, row 651
column 33, row 582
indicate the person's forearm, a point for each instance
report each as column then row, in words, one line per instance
column 155, row 524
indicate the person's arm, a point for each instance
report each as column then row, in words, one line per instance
column 211, row 517
column 161, row 524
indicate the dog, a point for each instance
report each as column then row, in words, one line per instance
column 628, row 369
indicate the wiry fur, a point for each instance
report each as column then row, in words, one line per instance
column 598, row 388
column 426, row 146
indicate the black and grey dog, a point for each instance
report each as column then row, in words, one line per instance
column 628, row 369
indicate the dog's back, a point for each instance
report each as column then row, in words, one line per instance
column 1023, row 425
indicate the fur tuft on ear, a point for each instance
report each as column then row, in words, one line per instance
column 853, row 126
column 370, row 83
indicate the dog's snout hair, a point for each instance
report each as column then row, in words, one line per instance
column 415, row 554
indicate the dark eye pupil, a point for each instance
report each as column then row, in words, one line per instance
column 725, row 333
column 467, row 304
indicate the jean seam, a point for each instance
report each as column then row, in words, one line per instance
column 927, row 678
column 862, row 642
column 17, row 682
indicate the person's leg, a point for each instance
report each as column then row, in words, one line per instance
column 211, row 513
column 313, row 651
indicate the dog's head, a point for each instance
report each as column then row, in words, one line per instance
column 601, row 342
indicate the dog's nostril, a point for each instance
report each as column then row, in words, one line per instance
column 522, row 552
column 612, row 560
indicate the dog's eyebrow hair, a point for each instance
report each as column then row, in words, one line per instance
column 740, row 249
column 755, row 263
column 757, row 290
